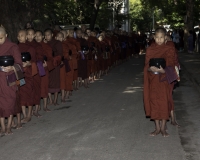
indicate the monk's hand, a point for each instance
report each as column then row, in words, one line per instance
column 7, row 69
column 153, row 69
column 161, row 70
column 44, row 64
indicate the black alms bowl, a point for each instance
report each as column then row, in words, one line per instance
column 157, row 62
column 26, row 56
column 6, row 61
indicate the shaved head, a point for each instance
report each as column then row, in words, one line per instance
column 64, row 32
column 161, row 30
column 22, row 36
column 60, row 36
column 2, row 30
column 3, row 35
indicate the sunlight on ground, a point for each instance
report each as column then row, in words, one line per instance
column 133, row 89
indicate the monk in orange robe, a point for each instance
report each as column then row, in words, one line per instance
column 27, row 90
column 48, row 66
column 7, row 93
column 157, row 91
column 54, row 75
column 37, row 78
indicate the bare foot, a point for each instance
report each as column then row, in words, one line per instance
column 2, row 133
column 50, row 103
column 175, row 124
column 47, row 110
column 36, row 114
column 63, row 101
column 8, row 131
column 19, row 126
column 164, row 133
column 56, row 104
column 24, row 121
column 155, row 133
column 14, row 126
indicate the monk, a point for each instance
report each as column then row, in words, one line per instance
column 60, row 37
column 48, row 68
column 177, row 65
column 157, row 86
column 37, row 78
column 70, row 74
column 27, row 90
column 7, row 93
column 54, row 75
column 82, row 60
column 73, row 41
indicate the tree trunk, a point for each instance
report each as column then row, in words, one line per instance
column 97, row 4
column 189, row 21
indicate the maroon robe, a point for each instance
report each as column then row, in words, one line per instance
column 27, row 90
column 8, row 93
column 54, row 75
column 82, row 63
column 157, row 93
column 37, row 79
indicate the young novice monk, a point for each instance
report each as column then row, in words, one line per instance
column 7, row 93
column 54, row 75
column 37, row 78
column 157, row 91
column 27, row 90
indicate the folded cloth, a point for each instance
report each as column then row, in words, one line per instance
column 67, row 66
column 41, row 69
column 171, row 75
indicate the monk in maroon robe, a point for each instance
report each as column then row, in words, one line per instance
column 48, row 63
column 27, row 90
column 54, row 75
column 157, row 91
column 68, row 56
column 70, row 39
column 7, row 93
column 82, row 61
column 37, row 78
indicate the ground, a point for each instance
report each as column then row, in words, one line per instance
column 107, row 122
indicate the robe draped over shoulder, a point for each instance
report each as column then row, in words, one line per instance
column 54, row 75
column 157, row 93
column 8, row 93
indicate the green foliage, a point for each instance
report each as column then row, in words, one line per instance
column 170, row 12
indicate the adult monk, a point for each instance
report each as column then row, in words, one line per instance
column 157, row 82
column 37, row 79
column 73, row 41
column 27, row 90
column 54, row 75
column 48, row 61
column 7, row 93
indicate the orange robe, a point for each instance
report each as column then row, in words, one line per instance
column 157, row 93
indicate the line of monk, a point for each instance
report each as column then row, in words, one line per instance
column 64, row 60
column 60, row 62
